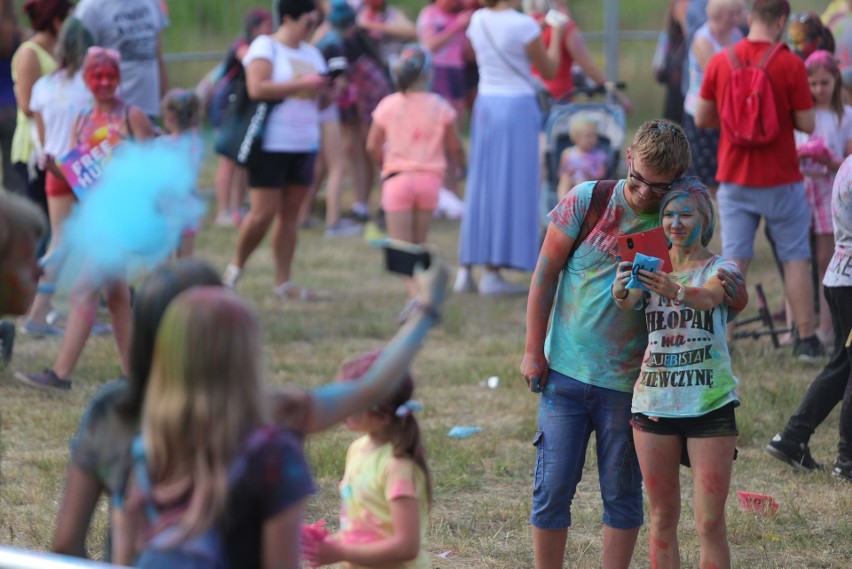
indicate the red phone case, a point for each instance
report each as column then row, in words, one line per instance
column 652, row 243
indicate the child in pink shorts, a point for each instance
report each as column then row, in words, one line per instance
column 411, row 134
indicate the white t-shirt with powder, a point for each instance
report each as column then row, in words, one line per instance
column 511, row 32
column 294, row 124
column 839, row 271
column 59, row 99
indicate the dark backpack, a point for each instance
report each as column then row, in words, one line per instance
column 167, row 549
column 748, row 112
column 601, row 194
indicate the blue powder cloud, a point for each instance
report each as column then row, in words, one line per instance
column 132, row 220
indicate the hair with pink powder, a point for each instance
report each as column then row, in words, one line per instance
column 825, row 60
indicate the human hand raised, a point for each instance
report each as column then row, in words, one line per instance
column 433, row 282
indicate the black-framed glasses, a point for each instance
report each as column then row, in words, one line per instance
column 656, row 187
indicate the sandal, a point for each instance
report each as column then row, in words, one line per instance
column 289, row 291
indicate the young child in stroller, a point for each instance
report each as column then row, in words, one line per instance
column 583, row 161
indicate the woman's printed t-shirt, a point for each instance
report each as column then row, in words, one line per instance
column 434, row 20
column 839, row 271
column 414, row 125
column 293, row 125
column 590, row 339
column 374, row 478
column 686, row 371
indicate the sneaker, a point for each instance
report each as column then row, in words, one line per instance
column 7, row 341
column 343, row 228
column 809, row 350
column 842, row 470
column 231, row 276
column 492, row 284
column 224, row 219
column 36, row 330
column 464, row 281
column 797, row 455
column 46, row 380
column 101, row 329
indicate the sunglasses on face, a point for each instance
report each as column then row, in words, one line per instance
column 656, row 187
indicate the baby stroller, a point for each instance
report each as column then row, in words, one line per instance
column 611, row 125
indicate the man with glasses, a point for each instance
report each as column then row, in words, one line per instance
column 764, row 181
column 584, row 355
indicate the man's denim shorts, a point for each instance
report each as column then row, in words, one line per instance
column 785, row 209
column 568, row 412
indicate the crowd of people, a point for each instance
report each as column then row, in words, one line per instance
column 201, row 459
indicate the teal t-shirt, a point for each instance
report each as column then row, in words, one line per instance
column 590, row 339
column 686, row 371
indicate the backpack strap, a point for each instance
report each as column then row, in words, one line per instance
column 601, row 194
column 769, row 54
column 732, row 57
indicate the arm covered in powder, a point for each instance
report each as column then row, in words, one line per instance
column 318, row 409
column 551, row 260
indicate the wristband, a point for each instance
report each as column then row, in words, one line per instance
column 612, row 294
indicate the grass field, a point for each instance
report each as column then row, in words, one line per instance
column 482, row 484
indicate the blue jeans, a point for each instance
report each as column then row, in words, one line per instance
column 568, row 412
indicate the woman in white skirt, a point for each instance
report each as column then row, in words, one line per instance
column 500, row 227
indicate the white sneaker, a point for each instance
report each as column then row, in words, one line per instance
column 492, row 284
column 464, row 281
column 224, row 219
column 231, row 276
column 449, row 205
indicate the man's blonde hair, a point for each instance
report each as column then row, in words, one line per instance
column 663, row 147
column 19, row 218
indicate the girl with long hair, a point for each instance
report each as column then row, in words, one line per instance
column 203, row 407
column 833, row 137
column 386, row 489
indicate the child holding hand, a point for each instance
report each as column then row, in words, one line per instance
column 583, row 161
column 385, row 491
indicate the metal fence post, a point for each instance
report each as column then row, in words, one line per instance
column 612, row 40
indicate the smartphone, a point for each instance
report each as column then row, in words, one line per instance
column 402, row 257
column 535, row 384
column 336, row 67
column 652, row 243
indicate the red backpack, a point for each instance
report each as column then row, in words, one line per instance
column 748, row 112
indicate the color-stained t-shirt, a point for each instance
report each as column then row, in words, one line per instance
column 101, row 445
column 590, row 339
column 414, row 125
column 775, row 163
column 373, row 478
column 686, row 371
column 432, row 21
column 839, row 271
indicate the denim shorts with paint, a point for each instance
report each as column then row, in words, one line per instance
column 568, row 412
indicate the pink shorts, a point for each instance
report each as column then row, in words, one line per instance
column 411, row 190
column 818, row 192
